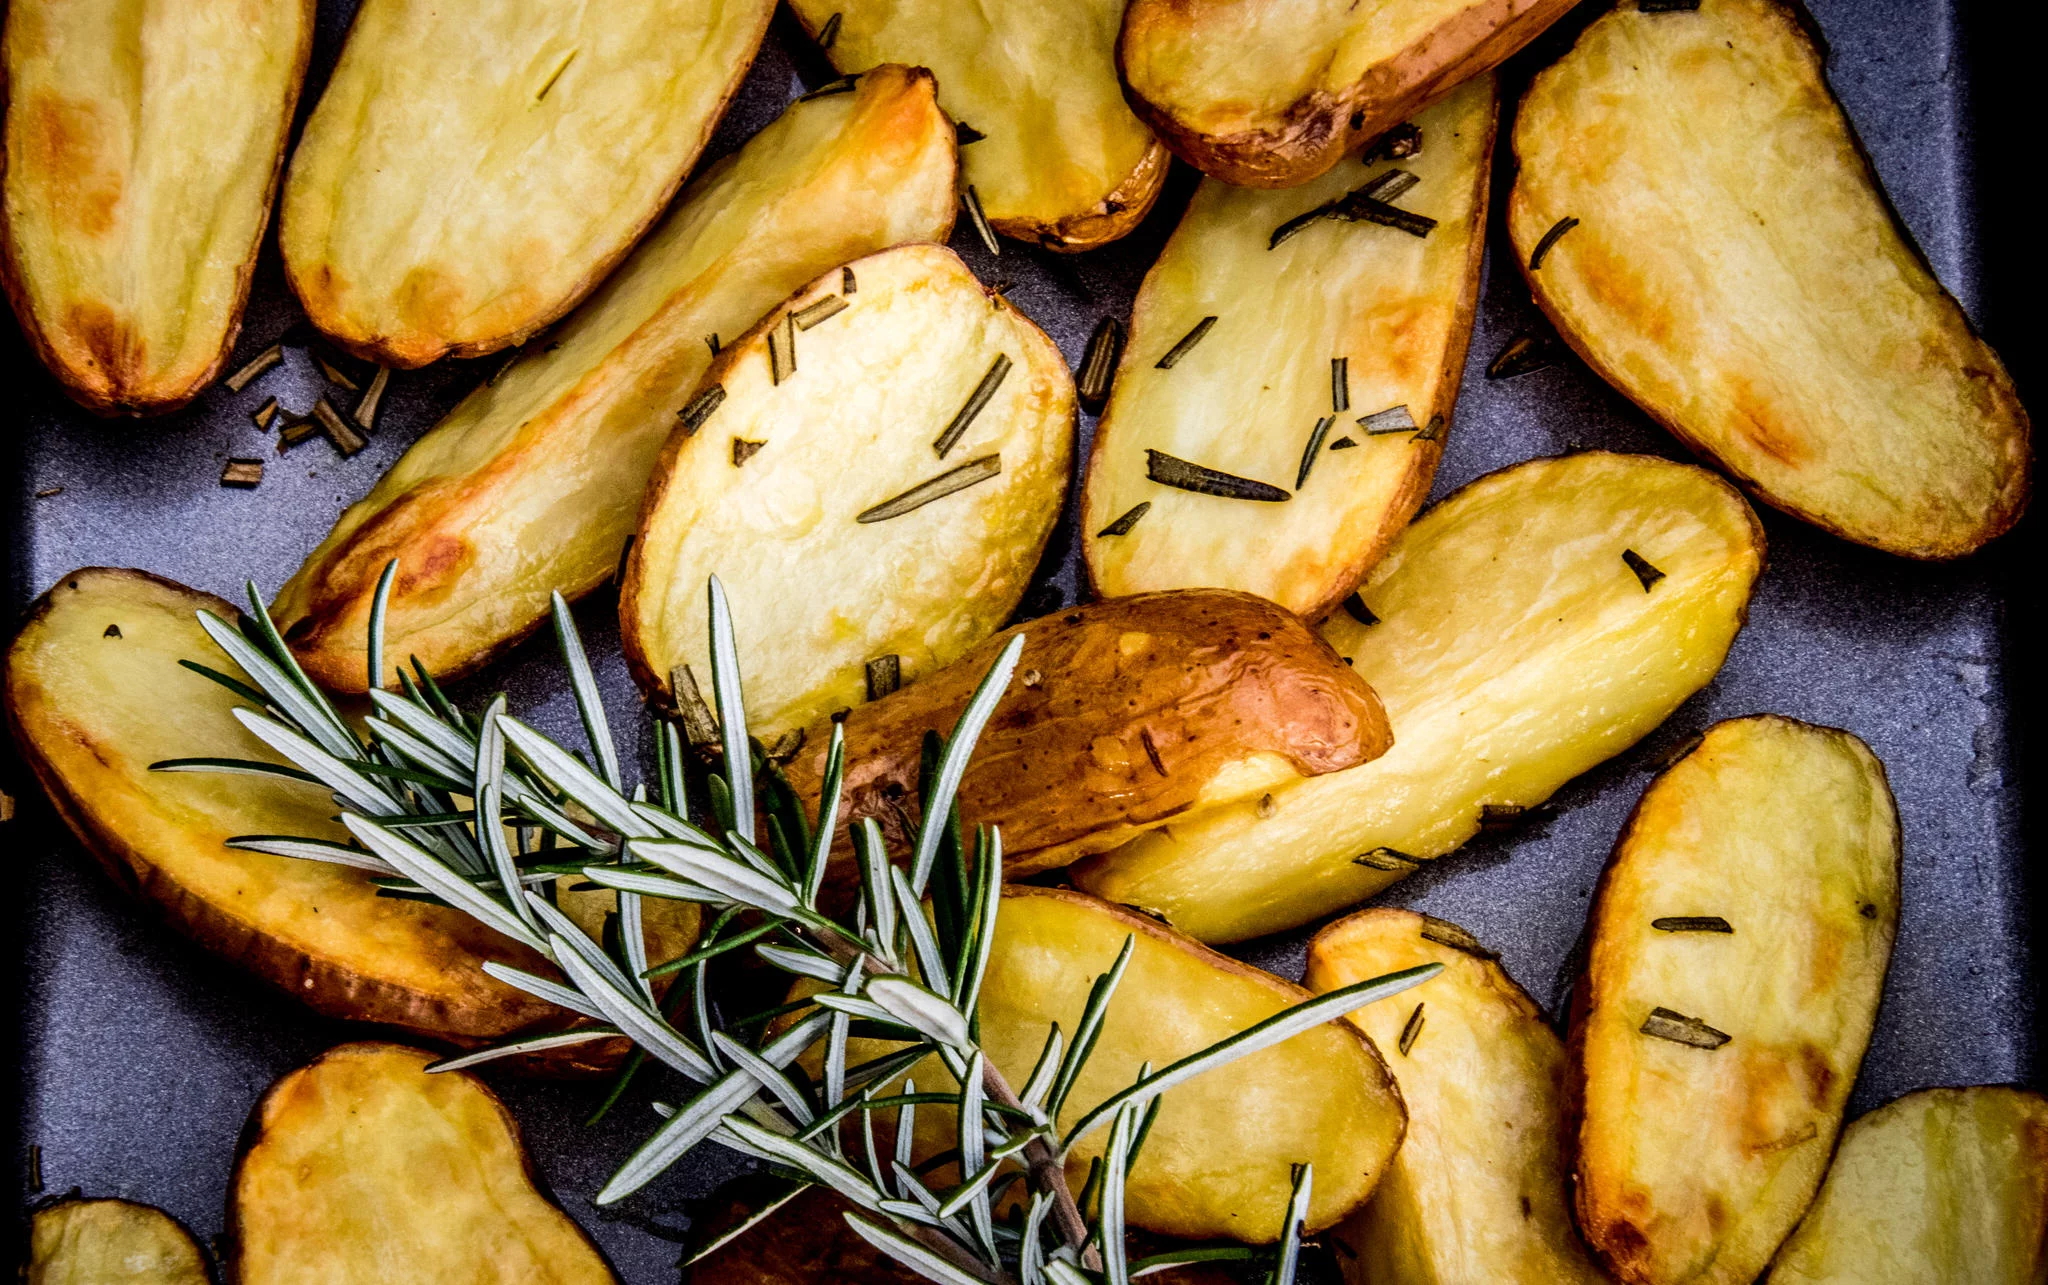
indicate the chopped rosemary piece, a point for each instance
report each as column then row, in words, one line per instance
column 1186, row 344
column 1498, row 817
column 1170, row 471
column 1355, row 607
column 1692, row 924
column 1313, row 449
column 998, row 370
column 333, row 373
column 711, row 342
column 885, row 676
column 1365, row 209
column 299, row 430
column 111, row 631
column 1550, row 238
column 830, row 31
column 345, row 439
column 1669, row 758
column 847, row 285
column 49, row 491
column 1151, row 750
column 1432, row 430
column 787, row 746
column 1667, row 6
column 1680, row 1029
column 1387, row 859
column 1340, row 384
column 1381, row 189
column 1411, row 1030
column 964, row 133
column 243, row 473
column 262, row 361
column 744, row 450
column 700, row 728
column 1098, row 365
column 972, row 200
column 1524, row 353
column 265, row 414
column 843, row 85
column 699, row 409
column 822, row 311
column 938, row 488
column 1123, row 525
column 1398, row 143
column 1646, row 573
column 1394, row 419
column 1445, row 933
column 781, row 352
column 366, row 409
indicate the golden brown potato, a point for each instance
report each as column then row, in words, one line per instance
column 95, row 695
column 111, row 1242
column 138, row 176
column 1338, row 324
column 1514, row 647
column 1718, row 1027
column 364, row 1169
column 1056, row 156
column 1480, row 1189
column 871, row 472
column 1942, row 1187
column 1123, row 713
column 533, row 483
column 1273, row 93
column 1713, row 241
column 475, row 167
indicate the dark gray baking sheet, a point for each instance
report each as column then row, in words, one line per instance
column 137, row 1057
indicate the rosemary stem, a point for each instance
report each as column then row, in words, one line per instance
column 1047, row 1173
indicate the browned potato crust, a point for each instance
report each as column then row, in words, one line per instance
column 111, row 1242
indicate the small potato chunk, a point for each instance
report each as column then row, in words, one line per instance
column 1942, row 1187
column 872, row 470
column 1480, row 1189
column 1739, row 942
column 364, row 1169
column 533, row 483
column 1321, row 347
column 111, row 1242
column 1262, row 93
column 1717, row 246
column 1514, row 647
column 142, row 146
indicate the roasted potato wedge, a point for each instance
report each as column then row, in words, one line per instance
column 533, row 483
column 111, row 1242
column 474, row 168
column 1480, row 1189
column 95, row 694
column 1056, row 156
column 362, row 1169
column 1942, row 1187
column 1514, row 647
column 1784, row 325
column 1123, row 713
column 1317, row 343
column 138, row 177
column 1718, row 1027
column 1261, row 93
column 873, row 471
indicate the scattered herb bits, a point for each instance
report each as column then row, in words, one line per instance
column 972, row 200
column 1123, row 525
column 1432, row 430
column 1645, row 572
column 261, row 362
column 1411, row 1030
column 847, row 285
column 938, row 488
column 1445, row 933
column 744, row 450
column 711, row 342
column 1692, row 924
column 964, row 133
column 1168, row 470
column 345, row 439
column 998, row 370
column 265, row 414
column 820, row 312
column 334, row 375
column 884, row 675
column 1550, row 238
column 1355, row 607
column 1388, row 859
column 366, row 409
column 700, row 725
column 830, row 31
column 787, row 747
column 299, row 430
column 699, row 409
column 1665, row 1024
column 1340, row 385
column 242, row 473
column 1524, row 354
column 1098, row 365
column 1266, row 807
column 1343, row 444
column 111, row 631
column 1349, row 208
column 843, row 85
column 1394, row 419
column 1313, row 449
column 1187, row 344
column 1399, row 143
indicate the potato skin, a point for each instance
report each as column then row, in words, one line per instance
column 111, row 1242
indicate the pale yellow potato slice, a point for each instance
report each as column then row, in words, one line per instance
column 142, row 145
column 364, row 1169
column 475, row 167
column 111, row 1242
column 797, row 482
column 1259, row 396
column 1736, row 269
column 1942, row 1187
column 533, row 483
column 1710, row 1068
column 1515, row 648
column 1481, row 1187
column 1060, row 160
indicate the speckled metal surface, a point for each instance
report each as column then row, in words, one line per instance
column 138, row 1056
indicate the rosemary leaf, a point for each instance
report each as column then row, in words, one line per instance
column 822, row 311
column 1386, row 859
column 1692, row 924
column 1098, row 365
column 242, row 473
column 1550, row 238
column 1340, row 385
column 1343, row 444
column 938, row 488
column 830, row 31
column 345, row 439
column 1313, row 449
column 373, row 397
column 847, row 285
column 884, row 676
column 1186, row 344
column 265, row 414
column 1123, row 525
column 1394, row 419
column 1647, row 574
column 1445, row 933
column 744, row 449
column 269, row 357
column 1665, row 1024
column 977, row 400
column 972, row 200
column 1168, row 470
column 1524, row 354
column 843, row 85
column 1411, row 1030
column 334, row 375
column 700, row 407
column 1355, row 607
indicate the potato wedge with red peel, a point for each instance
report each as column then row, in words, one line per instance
column 1318, row 343
column 474, row 168
column 95, row 694
column 1481, row 1187
column 1747, row 283
column 1123, row 713
column 362, row 1169
column 872, row 470
column 138, row 175
column 111, row 1242
column 1740, row 936
column 1261, row 93
column 1513, row 646
column 533, row 483
column 1048, row 145
column 1942, row 1187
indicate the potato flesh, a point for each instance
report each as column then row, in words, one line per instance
column 1396, row 307
column 816, row 594
column 142, row 146
column 1942, row 1187
column 1693, row 1164
column 111, row 1242
column 366, row 1169
column 1515, row 650
column 474, row 169
column 534, row 482
column 1737, row 271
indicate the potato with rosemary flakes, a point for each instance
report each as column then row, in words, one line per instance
column 533, row 483
column 1942, row 1187
column 110, row 1242
column 1740, row 935
column 1695, row 213
column 362, row 1169
column 1326, row 352
column 1534, row 624
column 1481, row 1187
column 141, row 150
column 872, row 470
column 476, row 167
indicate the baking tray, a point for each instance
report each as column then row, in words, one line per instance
column 137, row 1057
